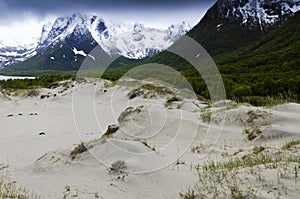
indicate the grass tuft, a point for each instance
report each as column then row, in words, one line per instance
column 80, row 148
column 290, row 144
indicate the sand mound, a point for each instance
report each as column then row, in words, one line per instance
column 290, row 107
column 146, row 136
column 137, row 156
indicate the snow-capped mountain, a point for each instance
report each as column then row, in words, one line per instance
column 132, row 41
column 135, row 41
column 231, row 24
column 82, row 32
column 227, row 25
column 13, row 51
column 74, row 26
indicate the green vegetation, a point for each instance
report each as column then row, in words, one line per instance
column 290, row 144
column 157, row 89
column 258, row 149
column 190, row 194
column 199, row 148
column 260, row 69
column 171, row 100
column 252, row 116
column 252, row 133
column 227, row 179
column 206, row 115
column 268, row 67
column 266, row 72
column 43, row 81
column 11, row 190
column 267, row 160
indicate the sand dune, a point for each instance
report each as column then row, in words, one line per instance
column 152, row 152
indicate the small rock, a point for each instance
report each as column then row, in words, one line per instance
column 42, row 133
column 44, row 96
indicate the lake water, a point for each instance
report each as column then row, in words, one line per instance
column 14, row 77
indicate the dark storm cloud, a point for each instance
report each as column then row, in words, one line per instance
column 42, row 7
column 20, row 10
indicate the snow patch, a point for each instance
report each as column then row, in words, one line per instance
column 80, row 52
column 91, row 56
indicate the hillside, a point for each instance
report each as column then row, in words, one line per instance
column 267, row 67
column 230, row 25
column 57, row 57
column 276, row 52
column 254, row 43
column 270, row 65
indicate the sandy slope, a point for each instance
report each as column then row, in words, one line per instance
column 44, row 164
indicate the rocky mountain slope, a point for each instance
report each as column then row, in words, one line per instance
column 63, row 39
column 231, row 24
column 17, row 50
column 268, row 66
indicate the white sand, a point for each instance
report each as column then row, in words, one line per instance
column 42, row 163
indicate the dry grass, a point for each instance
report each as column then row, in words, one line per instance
column 10, row 190
column 80, row 148
column 290, row 144
column 118, row 165
column 228, row 179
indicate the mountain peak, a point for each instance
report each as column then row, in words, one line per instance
column 82, row 32
column 63, row 27
column 232, row 24
column 260, row 14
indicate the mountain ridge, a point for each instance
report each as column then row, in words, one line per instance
column 268, row 66
column 132, row 41
column 232, row 24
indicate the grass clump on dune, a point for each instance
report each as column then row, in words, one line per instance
column 9, row 190
column 290, row 144
column 227, row 179
column 80, row 148
column 118, row 165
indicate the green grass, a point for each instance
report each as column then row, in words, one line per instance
column 157, row 89
column 199, row 148
column 252, row 133
column 206, row 115
column 290, row 144
column 231, row 178
column 43, row 81
column 10, row 190
column 171, row 100
column 258, row 149
column 252, row 160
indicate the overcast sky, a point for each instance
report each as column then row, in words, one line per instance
column 24, row 18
